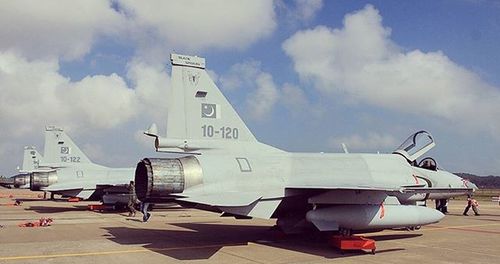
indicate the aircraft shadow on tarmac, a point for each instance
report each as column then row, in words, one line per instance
column 28, row 199
column 57, row 208
column 195, row 241
column 53, row 209
column 393, row 236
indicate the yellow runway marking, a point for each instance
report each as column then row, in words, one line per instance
column 139, row 250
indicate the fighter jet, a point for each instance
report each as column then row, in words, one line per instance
column 222, row 167
column 31, row 160
column 6, row 182
column 64, row 169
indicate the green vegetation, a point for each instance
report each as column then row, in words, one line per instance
column 483, row 182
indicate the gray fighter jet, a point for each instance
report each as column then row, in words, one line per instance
column 223, row 168
column 64, row 169
column 31, row 161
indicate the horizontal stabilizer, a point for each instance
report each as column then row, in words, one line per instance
column 85, row 194
column 51, row 169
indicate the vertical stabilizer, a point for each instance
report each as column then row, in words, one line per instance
column 198, row 111
column 31, row 159
column 59, row 148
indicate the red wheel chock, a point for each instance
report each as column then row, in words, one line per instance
column 352, row 243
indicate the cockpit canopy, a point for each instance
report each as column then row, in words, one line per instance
column 416, row 145
column 428, row 163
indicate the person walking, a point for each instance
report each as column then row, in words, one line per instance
column 444, row 206
column 471, row 202
column 144, row 210
column 132, row 199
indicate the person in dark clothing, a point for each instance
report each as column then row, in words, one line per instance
column 438, row 204
column 471, row 202
column 442, row 205
column 132, row 199
column 144, row 210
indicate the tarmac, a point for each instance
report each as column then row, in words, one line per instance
column 178, row 235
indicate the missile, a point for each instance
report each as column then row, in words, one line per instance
column 370, row 217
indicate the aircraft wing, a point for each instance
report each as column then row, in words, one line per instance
column 70, row 186
column 402, row 189
column 262, row 203
column 353, row 188
column 222, row 199
column 437, row 190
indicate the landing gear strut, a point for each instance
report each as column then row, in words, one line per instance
column 345, row 232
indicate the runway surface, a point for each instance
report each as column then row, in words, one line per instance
column 175, row 234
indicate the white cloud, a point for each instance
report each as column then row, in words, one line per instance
column 297, row 103
column 294, row 98
column 240, row 75
column 52, row 29
column 151, row 84
column 307, row 9
column 38, row 36
column 372, row 141
column 299, row 12
column 362, row 62
column 261, row 102
column 100, row 101
column 68, row 29
column 263, row 94
column 195, row 25
column 35, row 94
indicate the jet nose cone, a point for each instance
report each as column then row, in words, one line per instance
column 473, row 186
column 469, row 184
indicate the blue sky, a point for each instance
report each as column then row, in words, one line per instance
column 304, row 75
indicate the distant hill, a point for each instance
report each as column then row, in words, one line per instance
column 483, row 182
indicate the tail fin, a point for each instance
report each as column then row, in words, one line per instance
column 199, row 115
column 59, row 148
column 31, row 159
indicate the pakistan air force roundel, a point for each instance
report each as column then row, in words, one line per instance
column 209, row 110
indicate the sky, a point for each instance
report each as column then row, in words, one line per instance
column 304, row 75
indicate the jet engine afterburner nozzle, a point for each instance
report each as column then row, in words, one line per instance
column 21, row 180
column 156, row 179
column 39, row 180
